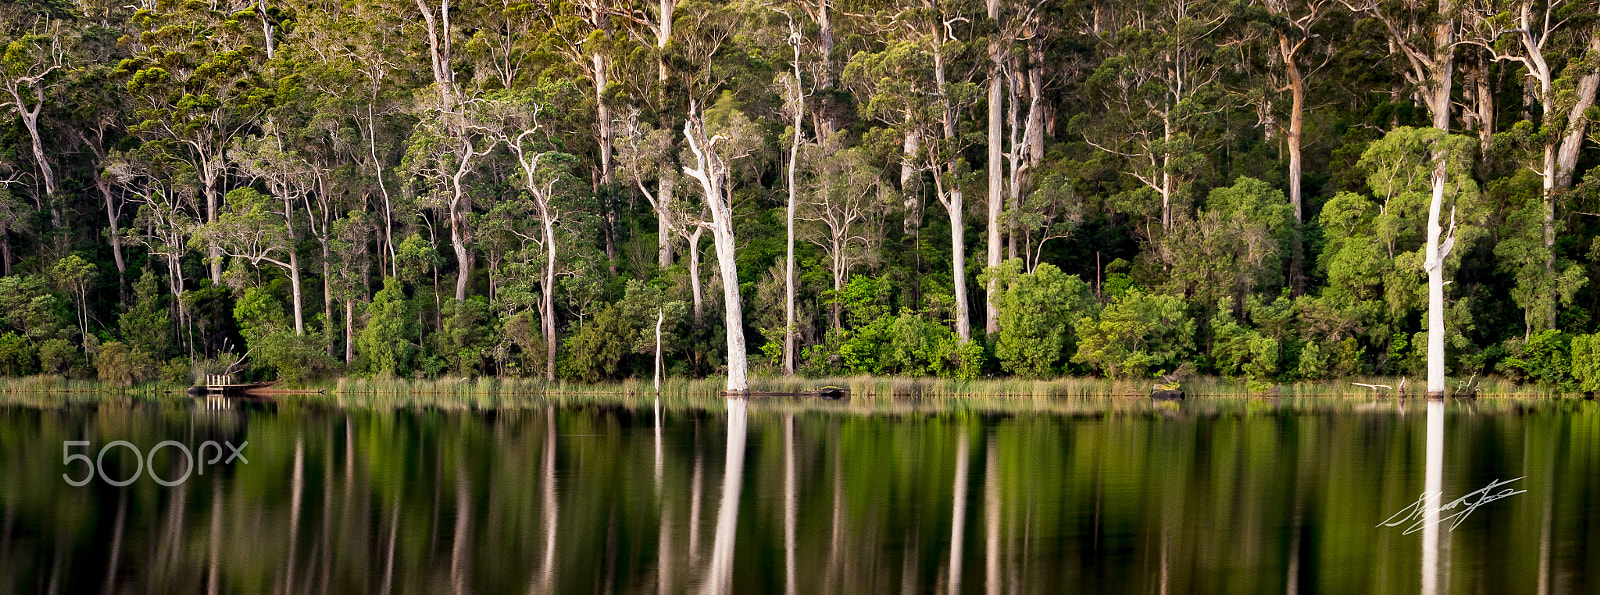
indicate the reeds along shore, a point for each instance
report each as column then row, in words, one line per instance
column 489, row 392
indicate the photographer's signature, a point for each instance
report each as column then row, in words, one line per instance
column 1416, row 513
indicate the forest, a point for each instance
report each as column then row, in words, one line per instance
column 1266, row 190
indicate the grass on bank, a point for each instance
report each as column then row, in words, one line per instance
column 492, row 392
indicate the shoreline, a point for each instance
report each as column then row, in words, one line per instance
column 486, row 390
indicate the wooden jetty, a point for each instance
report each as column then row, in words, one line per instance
column 226, row 384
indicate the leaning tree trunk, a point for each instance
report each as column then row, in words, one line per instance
column 104, row 187
column 1572, row 141
column 30, row 120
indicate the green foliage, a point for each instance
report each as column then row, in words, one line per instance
column 1137, row 335
column 146, row 324
column 18, row 355
column 28, row 307
column 389, row 338
column 57, row 356
column 176, row 371
column 1544, row 358
column 522, row 330
column 1034, row 312
column 466, row 337
column 120, row 365
column 1234, row 245
column 595, row 350
column 259, row 313
column 1340, row 360
column 344, row 150
column 291, row 358
column 920, row 346
column 1238, row 351
column 1586, row 362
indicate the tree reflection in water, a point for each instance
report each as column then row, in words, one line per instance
column 862, row 497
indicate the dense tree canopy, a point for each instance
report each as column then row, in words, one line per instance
column 299, row 188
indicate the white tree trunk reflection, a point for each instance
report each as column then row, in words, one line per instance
column 957, row 527
column 1434, row 484
column 720, row 575
column 991, row 504
column 551, row 504
column 791, row 505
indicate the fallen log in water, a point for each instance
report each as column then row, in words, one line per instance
column 826, row 392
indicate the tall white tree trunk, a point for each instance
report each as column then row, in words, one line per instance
column 664, row 189
column 388, row 209
column 294, row 286
column 208, row 178
column 794, row 164
column 732, row 303
column 664, row 15
column 712, row 173
column 458, row 244
column 996, row 176
column 1439, row 103
column 910, row 146
column 952, row 199
column 958, row 254
column 548, row 302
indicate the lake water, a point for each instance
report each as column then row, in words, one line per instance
column 783, row 495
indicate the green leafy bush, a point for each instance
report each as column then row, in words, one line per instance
column 594, row 351
column 1586, row 362
column 18, row 355
column 1035, row 314
column 57, row 356
column 120, row 365
column 1544, row 358
column 1136, row 336
column 1240, row 351
column 289, row 357
column 388, row 339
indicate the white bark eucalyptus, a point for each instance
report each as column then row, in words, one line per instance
column 541, row 187
column 1431, row 69
column 711, row 170
column 456, row 156
column 996, row 176
column 795, row 98
column 1533, row 35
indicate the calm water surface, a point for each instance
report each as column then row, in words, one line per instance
column 777, row 495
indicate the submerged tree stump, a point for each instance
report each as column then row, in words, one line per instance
column 1166, row 395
